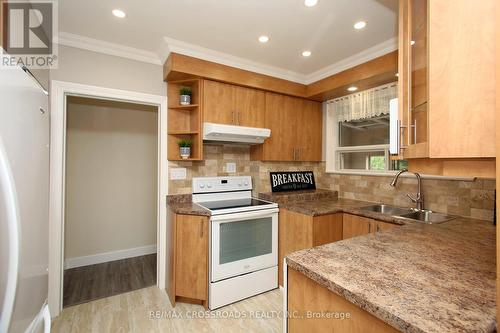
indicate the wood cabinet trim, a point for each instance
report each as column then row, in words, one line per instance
column 367, row 75
column 179, row 66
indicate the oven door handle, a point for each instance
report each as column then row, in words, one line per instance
column 235, row 217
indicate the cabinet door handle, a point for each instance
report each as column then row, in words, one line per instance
column 298, row 153
column 414, row 126
column 401, row 144
column 233, row 120
column 378, row 228
column 238, row 115
column 201, row 228
column 369, row 227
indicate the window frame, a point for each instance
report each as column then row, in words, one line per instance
column 339, row 161
column 334, row 162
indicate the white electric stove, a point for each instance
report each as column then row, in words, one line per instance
column 243, row 239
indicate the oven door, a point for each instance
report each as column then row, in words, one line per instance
column 243, row 242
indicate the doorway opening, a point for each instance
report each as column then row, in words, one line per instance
column 110, row 198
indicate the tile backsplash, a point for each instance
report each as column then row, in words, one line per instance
column 465, row 198
column 471, row 199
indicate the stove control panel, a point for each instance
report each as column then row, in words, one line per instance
column 221, row 184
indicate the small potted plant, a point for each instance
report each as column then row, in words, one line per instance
column 185, row 148
column 185, row 93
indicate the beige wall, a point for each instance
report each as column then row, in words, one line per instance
column 474, row 199
column 92, row 68
column 111, row 177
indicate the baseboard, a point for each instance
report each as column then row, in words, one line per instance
column 109, row 256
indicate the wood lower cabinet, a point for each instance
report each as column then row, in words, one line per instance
column 354, row 226
column 298, row 231
column 306, row 296
column 189, row 259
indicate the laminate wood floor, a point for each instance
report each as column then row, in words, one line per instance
column 87, row 283
column 149, row 310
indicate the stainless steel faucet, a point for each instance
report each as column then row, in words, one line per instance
column 419, row 199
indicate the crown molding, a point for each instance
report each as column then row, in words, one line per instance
column 171, row 45
column 95, row 45
column 354, row 60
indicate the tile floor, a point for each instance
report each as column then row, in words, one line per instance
column 149, row 310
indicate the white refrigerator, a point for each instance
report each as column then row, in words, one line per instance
column 24, row 203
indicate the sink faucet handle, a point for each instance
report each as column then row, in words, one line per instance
column 416, row 199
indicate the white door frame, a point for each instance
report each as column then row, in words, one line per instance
column 58, row 92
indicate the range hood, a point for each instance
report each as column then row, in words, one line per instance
column 230, row 133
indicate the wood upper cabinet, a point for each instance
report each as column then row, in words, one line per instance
column 233, row 105
column 191, row 257
column 250, row 106
column 296, row 130
column 310, row 127
column 218, row 103
column 446, row 95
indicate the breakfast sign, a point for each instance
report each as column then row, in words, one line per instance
column 292, row 181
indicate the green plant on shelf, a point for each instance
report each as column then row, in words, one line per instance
column 185, row 143
column 185, row 91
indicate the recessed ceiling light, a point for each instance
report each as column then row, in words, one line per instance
column 359, row 25
column 263, row 39
column 306, row 53
column 310, row 3
column 412, row 42
column 352, row 88
column 118, row 13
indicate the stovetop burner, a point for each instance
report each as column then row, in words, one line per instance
column 225, row 195
column 235, row 203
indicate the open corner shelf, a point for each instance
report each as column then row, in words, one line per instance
column 184, row 121
column 184, row 107
column 183, row 132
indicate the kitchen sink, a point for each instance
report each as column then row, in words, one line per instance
column 386, row 209
column 423, row 216
column 426, row 216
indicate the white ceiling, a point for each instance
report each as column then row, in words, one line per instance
column 233, row 26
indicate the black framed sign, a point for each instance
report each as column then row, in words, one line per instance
column 292, row 181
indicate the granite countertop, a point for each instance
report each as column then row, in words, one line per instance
column 183, row 204
column 325, row 202
column 417, row 278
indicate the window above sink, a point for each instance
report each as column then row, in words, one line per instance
column 358, row 132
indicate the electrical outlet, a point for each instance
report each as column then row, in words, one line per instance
column 178, row 173
column 230, row 167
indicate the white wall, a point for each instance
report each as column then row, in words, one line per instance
column 111, row 177
column 102, row 70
